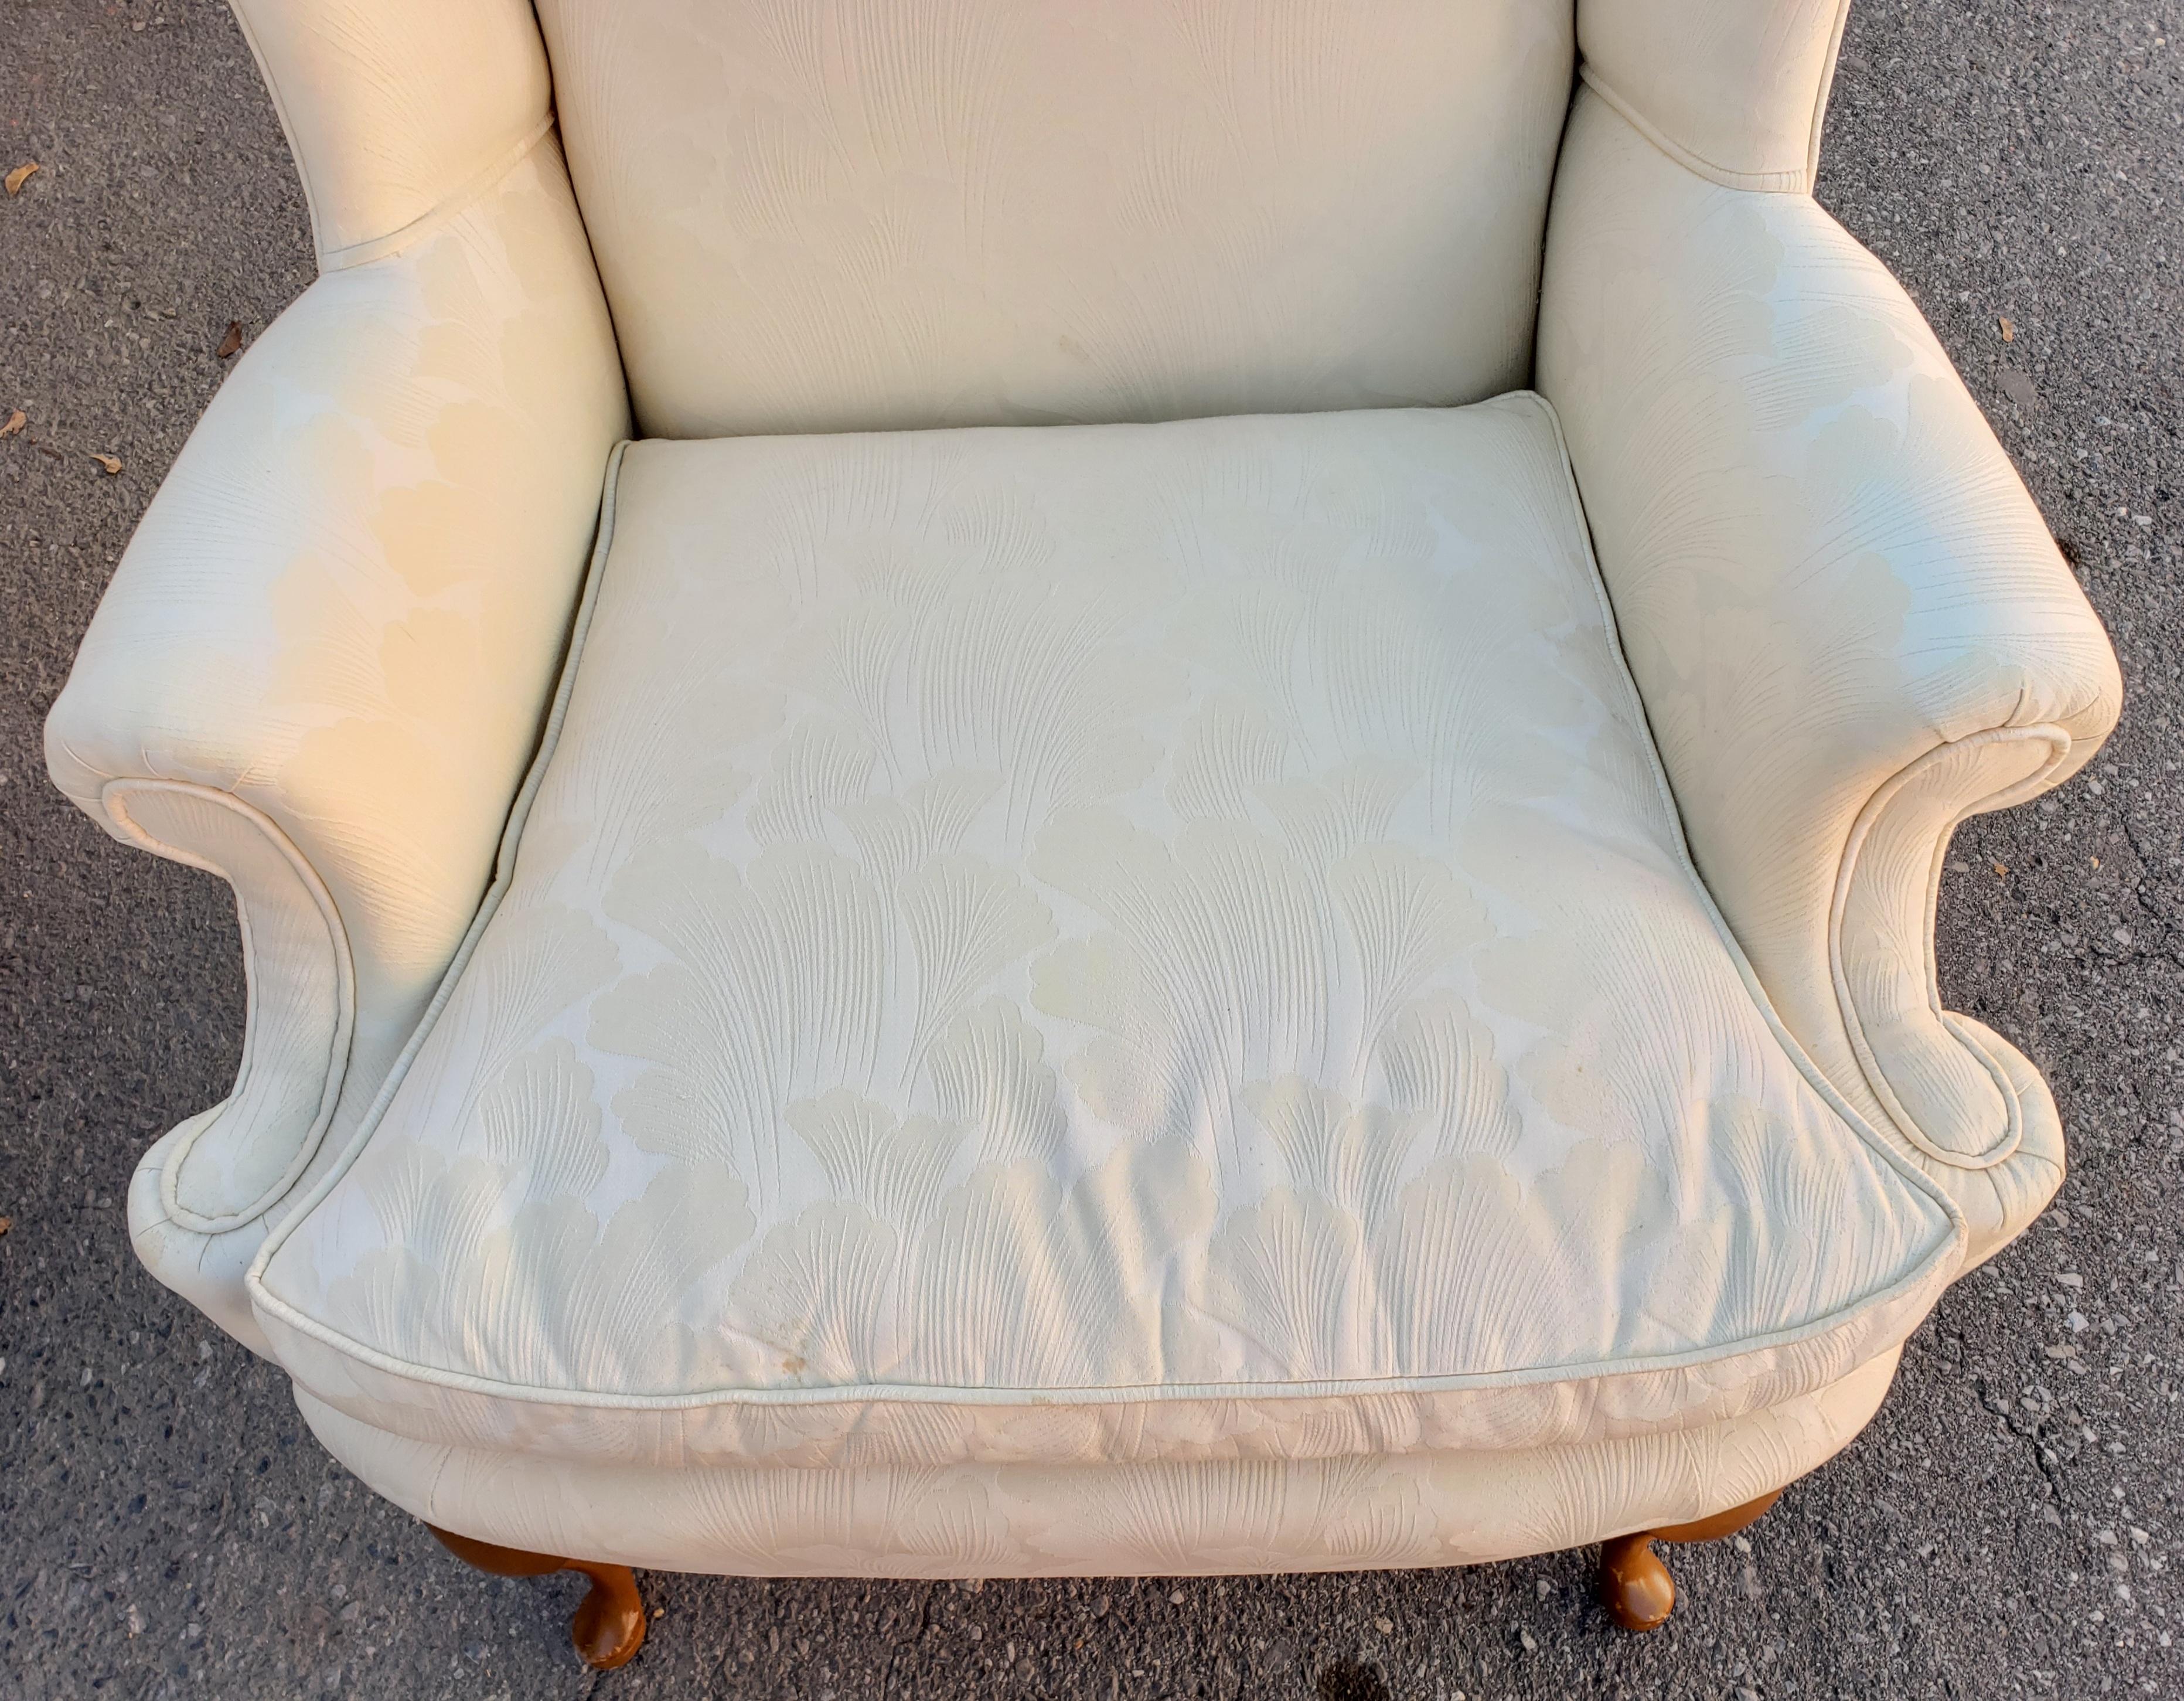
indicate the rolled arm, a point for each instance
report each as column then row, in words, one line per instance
column 321, row 665
column 1849, row 622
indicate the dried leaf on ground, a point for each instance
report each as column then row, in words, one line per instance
column 16, row 421
column 6, row 1224
column 230, row 344
column 2008, row 332
column 109, row 463
column 21, row 175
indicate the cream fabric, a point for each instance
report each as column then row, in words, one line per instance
column 998, row 1520
column 226, row 1166
column 398, row 112
column 321, row 664
column 1135, row 990
column 1735, row 90
column 835, row 215
column 1850, row 624
column 1091, row 944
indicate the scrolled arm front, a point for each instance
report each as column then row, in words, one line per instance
column 1849, row 624
column 322, row 663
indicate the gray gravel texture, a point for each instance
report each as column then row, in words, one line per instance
column 2009, row 1525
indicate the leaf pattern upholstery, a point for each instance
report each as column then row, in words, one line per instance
column 1138, row 942
column 1159, row 1519
column 869, row 214
column 1136, row 996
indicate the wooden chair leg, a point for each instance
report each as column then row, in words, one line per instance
column 608, row 1627
column 1635, row 1587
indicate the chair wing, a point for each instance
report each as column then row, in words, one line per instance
column 1735, row 93
column 397, row 111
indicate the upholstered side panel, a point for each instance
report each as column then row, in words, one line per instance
column 1733, row 89
column 1403, row 1510
column 1849, row 620
column 301, row 997
column 336, row 626
column 219, row 1170
column 1942, row 1090
column 830, row 215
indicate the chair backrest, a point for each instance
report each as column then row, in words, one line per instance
column 836, row 214
column 820, row 214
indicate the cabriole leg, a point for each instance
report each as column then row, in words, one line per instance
column 609, row 1626
column 1635, row 1587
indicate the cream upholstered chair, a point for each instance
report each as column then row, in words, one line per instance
column 1219, row 852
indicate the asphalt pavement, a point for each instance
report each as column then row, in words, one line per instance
column 2008, row 1525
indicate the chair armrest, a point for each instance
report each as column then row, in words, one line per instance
column 1847, row 618
column 320, row 668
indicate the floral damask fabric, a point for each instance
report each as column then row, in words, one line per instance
column 1849, row 621
column 838, row 216
column 320, row 668
column 1100, row 1520
column 1114, row 942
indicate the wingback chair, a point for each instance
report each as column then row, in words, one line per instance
column 1022, row 787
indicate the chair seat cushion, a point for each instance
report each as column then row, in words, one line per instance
column 1118, row 942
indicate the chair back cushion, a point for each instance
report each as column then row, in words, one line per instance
column 835, row 214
